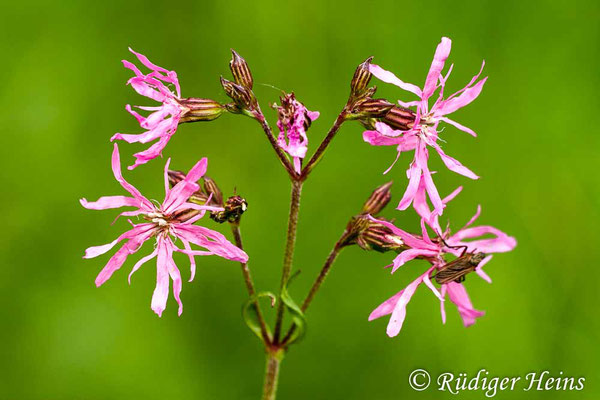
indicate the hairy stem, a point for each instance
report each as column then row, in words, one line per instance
column 322, row 275
column 280, row 154
column 272, row 375
column 289, row 252
column 323, row 146
column 235, row 228
column 318, row 282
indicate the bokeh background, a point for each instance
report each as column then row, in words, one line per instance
column 63, row 95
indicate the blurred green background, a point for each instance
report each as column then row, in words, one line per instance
column 63, row 96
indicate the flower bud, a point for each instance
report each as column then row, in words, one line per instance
column 378, row 200
column 361, row 79
column 240, row 71
column 234, row 207
column 211, row 189
column 371, row 235
column 378, row 237
column 243, row 98
column 200, row 110
column 400, row 118
column 368, row 108
column 175, row 177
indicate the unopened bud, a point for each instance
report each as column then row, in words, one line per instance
column 400, row 118
column 378, row 200
column 211, row 189
column 240, row 71
column 200, row 110
column 234, row 207
column 376, row 236
column 175, row 177
column 361, row 78
column 243, row 98
column 368, row 108
column 184, row 215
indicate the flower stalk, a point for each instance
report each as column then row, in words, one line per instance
column 289, row 252
column 323, row 146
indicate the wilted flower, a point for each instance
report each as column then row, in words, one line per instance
column 434, row 251
column 162, row 123
column 294, row 120
column 172, row 220
column 423, row 131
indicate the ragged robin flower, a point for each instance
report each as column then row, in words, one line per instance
column 424, row 132
column 167, row 223
column 163, row 121
column 470, row 247
column 293, row 122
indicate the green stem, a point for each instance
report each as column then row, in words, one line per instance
column 324, row 144
column 280, row 154
column 322, row 275
column 289, row 252
column 272, row 374
column 235, row 227
column 318, row 282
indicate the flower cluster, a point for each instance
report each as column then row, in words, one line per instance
column 174, row 219
column 409, row 126
column 451, row 255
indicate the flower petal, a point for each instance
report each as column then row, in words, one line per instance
column 467, row 96
column 188, row 248
column 116, row 168
column 411, row 254
column 414, row 173
column 108, row 202
column 213, row 241
column 459, row 126
column 442, row 304
column 176, row 278
column 458, row 295
column 161, row 292
column 375, row 138
column 389, row 77
column 479, row 271
column 453, row 164
column 399, row 312
column 439, row 59
column 141, row 262
column 95, row 251
column 185, row 188
column 117, row 260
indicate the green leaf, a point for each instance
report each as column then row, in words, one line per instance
column 296, row 314
column 250, row 313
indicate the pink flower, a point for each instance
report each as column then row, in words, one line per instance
column 162, row 123
column 166, row 222
column 424, row 131
column 468, row 240
column 294, row 120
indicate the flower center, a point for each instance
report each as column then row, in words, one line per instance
column 161, row 222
